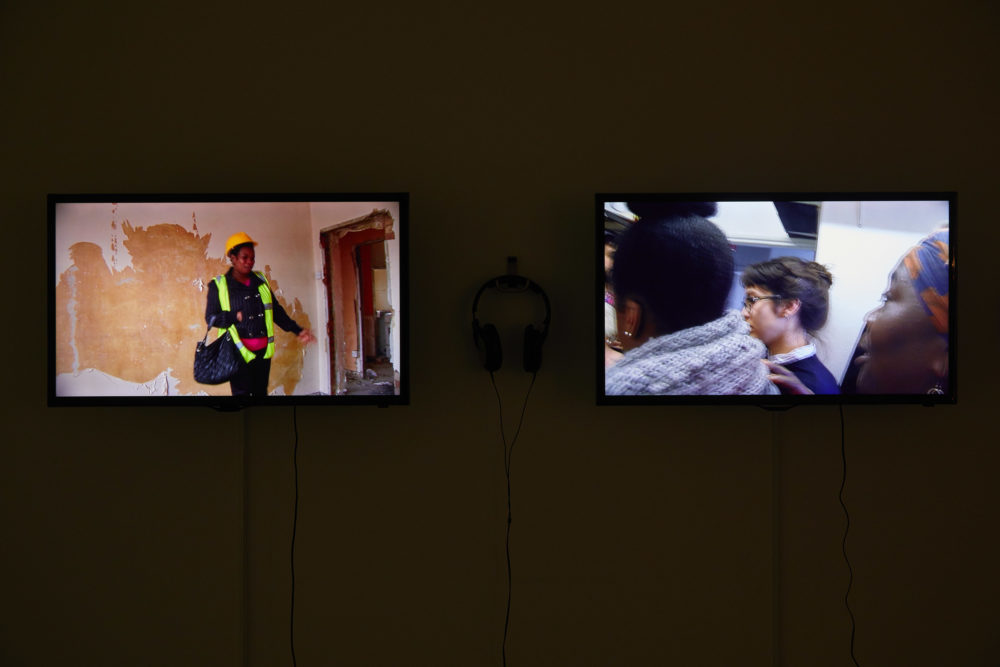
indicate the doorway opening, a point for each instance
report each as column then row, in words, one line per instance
column 360, row 303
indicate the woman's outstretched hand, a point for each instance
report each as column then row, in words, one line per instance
column 306, row 337
column 784, row 379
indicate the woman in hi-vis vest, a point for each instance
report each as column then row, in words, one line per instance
column 241, row 302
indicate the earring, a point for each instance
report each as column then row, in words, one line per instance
column 936, row 390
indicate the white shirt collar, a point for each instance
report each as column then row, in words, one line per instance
column 798, row 354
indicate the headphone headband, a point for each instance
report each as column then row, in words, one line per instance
column 511, row 283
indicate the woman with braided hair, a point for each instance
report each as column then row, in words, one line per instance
column 672, row 274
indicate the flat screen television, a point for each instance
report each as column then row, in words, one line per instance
column 849, row 296
column 135, row 279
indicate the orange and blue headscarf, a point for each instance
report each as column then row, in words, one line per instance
column 927, row 264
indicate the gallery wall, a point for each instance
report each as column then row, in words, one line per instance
column 694, row 536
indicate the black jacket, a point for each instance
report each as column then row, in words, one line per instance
column 246, row 299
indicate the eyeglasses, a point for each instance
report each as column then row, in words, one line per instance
column 750, row 301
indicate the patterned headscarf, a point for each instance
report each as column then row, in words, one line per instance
column 927, row 264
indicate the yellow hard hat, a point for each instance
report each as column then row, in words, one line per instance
column 236, row 239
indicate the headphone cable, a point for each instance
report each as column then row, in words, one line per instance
column 507, row 452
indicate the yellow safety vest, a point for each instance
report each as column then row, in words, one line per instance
column 265, row 296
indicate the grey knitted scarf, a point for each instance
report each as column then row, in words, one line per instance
column 712, row 359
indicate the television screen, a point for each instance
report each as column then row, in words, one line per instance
column 776, row 299
column 309, row 290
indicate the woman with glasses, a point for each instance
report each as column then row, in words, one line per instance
column 787, row 302
column 671, row 278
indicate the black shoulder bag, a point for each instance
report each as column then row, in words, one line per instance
column 218, row 362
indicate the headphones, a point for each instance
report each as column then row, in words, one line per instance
column 487, row 338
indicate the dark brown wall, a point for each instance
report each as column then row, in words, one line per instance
column 688, row 536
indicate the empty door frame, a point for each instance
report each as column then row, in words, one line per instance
column 340, row 272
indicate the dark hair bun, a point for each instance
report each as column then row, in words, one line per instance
column 795, row 278
column 669, row 248
column 820, row 273
column 664, row 210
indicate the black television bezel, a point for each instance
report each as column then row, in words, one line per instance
column 950, row 395
column 227, row 403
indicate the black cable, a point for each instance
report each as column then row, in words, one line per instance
column 507, row 453
column 245, row 542
column 295, row 521
column 847, row 528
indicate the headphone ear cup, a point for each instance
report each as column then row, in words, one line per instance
column 490, row 351
column 533, row 340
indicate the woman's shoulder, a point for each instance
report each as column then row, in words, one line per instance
column 814, row 375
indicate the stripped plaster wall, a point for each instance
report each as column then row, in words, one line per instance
column 132, row 284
